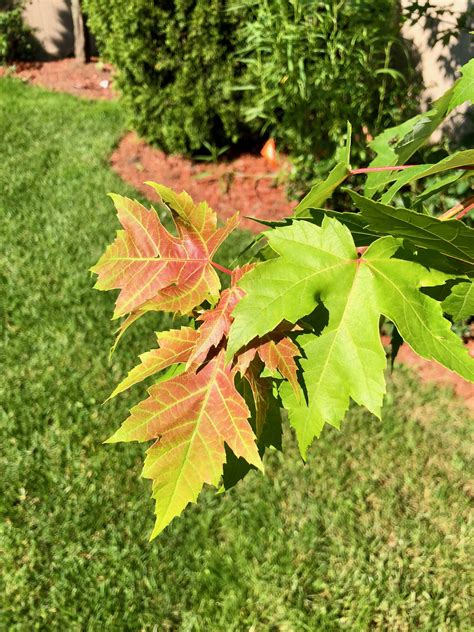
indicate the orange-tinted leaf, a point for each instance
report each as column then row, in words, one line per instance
column 190, row 416
column 146, row 262
column 127, row 322
column 238, row 273
column 176, row 346
column 280, row 355
column 245, row 357
column 261, row 389
column 217, row 321
column 276, row 350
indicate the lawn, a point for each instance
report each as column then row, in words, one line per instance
column 373, row 533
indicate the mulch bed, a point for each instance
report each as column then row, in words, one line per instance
column 66, row 75
column 248, row 184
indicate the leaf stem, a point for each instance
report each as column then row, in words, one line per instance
column 221, row 268
column 354, row 172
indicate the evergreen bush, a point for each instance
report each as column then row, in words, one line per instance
column 16, row 41
column 175, row 67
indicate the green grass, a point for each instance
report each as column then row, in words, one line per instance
column 372, row 534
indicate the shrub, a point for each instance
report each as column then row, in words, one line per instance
column 311, row 66
column 15, row 36
column 175, row 66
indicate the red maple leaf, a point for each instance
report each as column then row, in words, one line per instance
column 157, row 270
column 190, row 416
column 277, row 352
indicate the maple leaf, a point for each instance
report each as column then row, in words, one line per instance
column 453, row 238
column 153, row 268
column 190, row 416
column 261, row 389
column 215, row 324
column 262, row 399
column 176, row 346
column 347, row 360
column 277, row 352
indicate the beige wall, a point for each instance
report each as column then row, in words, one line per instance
column 52, row 24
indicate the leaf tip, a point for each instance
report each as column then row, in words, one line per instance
column 115, row 438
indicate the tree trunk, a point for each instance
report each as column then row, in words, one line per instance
column 80, row 52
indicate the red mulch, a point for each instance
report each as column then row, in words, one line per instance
column 247, row 184
column 66, row 75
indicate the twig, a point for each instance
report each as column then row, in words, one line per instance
column 354, row 172
column 459, row 210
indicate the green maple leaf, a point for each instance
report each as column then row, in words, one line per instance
column 347, row 360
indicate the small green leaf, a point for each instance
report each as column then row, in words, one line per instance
column 395, row 145
column 438, row 186
column 460, row 303
column 455, row 161
column 463, row 89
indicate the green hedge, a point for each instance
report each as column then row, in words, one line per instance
column 175, row 67
column 197, row 73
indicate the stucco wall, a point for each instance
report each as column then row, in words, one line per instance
column 440, row 63
column 52, row 24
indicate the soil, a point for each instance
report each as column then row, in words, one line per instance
column 248, row 184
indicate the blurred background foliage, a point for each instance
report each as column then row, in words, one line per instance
column 312, row 66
